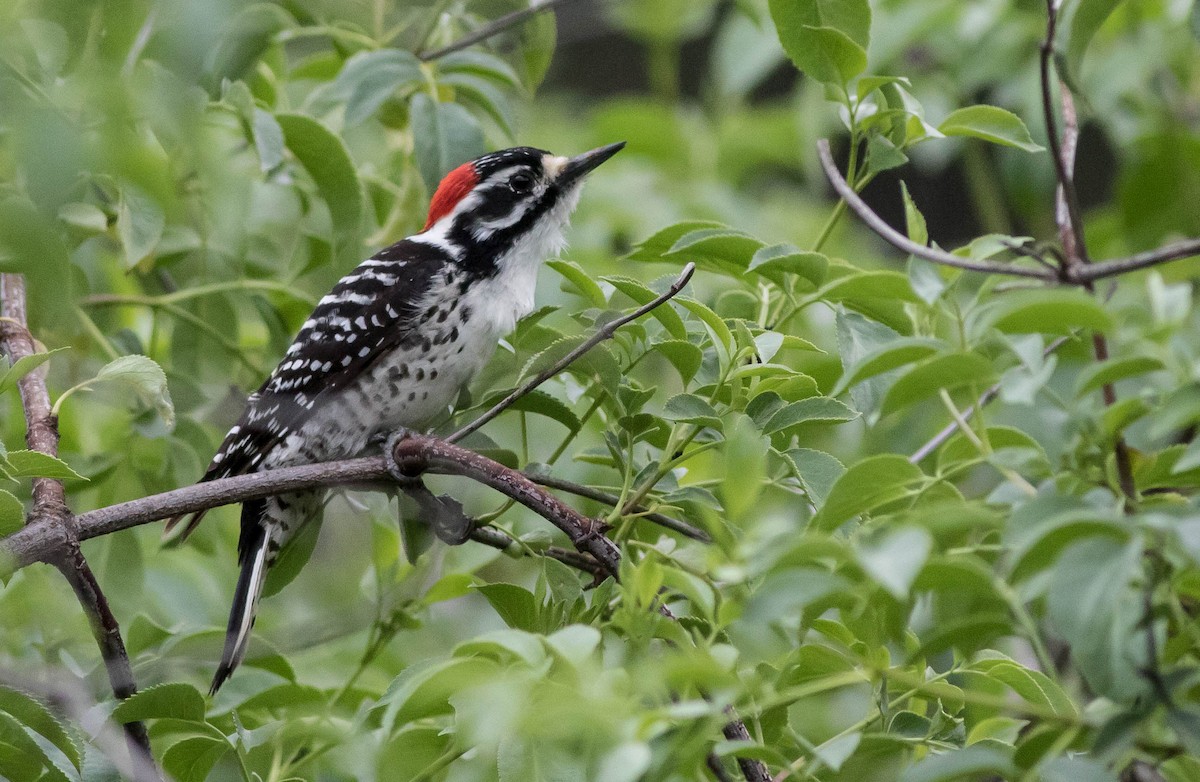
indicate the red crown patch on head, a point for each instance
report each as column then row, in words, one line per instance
column 453, row 188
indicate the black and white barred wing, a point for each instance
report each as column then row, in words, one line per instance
column 368, row 313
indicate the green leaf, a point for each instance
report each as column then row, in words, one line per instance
column 817, row 471
column 84, row 216
column 23, row 367
column 1046, row 311
column 328, row 163
column 424, row 690
column 800, row 22
column 1034, row 686
column 869, row 484
column 268, row 140
column 480, row 92
column 1039, row 535
column 974, row 762
column 479, row 63
column 540, row 403
column 175, row 700
column 889, row 356
column 140, row 223
column 515, row 605
column 34, row 464
column 444, row 135
column 142, row 376
column 778, row 259
column 584, row 285
column 947, row 371
column 23, row 758
column 191, row 759
column 1095, row 376
column 35, row 716
column 689, row 408
column 722, row 336
column 859, row 285
column 370, row 78
column 1078, row 23
column 598, row 363
column 12, row 513
column 292, row 558
column 913, row 219
column 1094, row 605
column 660, row 244
column 817, row 408
column 837, row 59
column 31, row 244
column 990, row 123
column 721, row 250
column 664, row 313
column 745, row 454
column 684, row 356
column 895, row 557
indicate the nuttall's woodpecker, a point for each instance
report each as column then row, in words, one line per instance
column 393, row 343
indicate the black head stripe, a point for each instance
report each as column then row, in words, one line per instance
column 517, row 156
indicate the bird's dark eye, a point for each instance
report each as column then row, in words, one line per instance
column 521, row 182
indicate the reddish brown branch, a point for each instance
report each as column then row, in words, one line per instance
column 50, row 510
column 902, row 242
column 1069, row 219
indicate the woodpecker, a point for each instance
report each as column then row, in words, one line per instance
column 394, row 342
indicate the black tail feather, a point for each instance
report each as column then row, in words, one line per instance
column 252, row 554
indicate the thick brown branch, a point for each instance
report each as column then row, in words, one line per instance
column 902, row 242
column 50, row 510
column 415, row 455
column 495, row 27
column 604, row 332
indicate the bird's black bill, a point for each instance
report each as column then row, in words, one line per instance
column 580, row 165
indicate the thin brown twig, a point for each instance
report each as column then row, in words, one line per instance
column 50, row 510
column 902, row 242
column 495, row 27
column 604, row 332
column 1184, row 248
column 612, row 500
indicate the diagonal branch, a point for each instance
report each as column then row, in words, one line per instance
column 50, row 510
column 495, row 27
column 902, row 242
column 604, row 332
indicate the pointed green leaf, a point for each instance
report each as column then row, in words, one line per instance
column 34, row 464
column 174, row 700
column 866, row 485
column 990, row 123
column 23, row 367
column 12, row 513
column 145, row 379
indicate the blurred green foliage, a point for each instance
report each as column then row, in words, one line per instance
column 179, row 181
